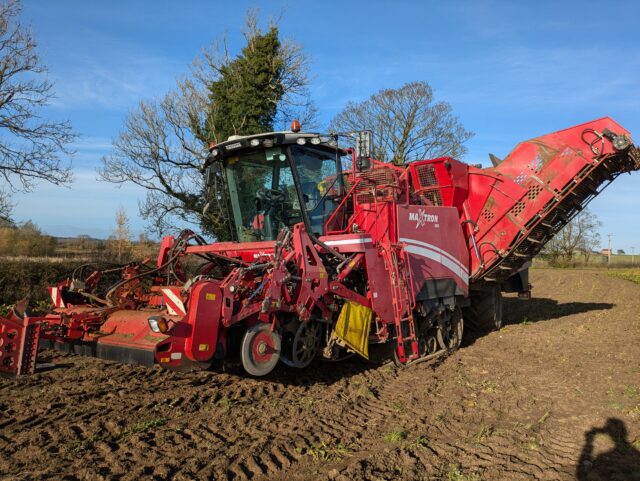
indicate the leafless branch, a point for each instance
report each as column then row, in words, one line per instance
column 407, row 124
column 32, row 148
column 581, row 234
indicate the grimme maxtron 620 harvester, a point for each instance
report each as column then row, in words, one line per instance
column 333, row 252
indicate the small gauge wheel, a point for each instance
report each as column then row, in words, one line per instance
column 260, row 350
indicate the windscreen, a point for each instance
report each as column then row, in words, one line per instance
column 264, row 198
column 263, row 194
column 320, row 183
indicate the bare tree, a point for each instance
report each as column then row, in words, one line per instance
column 31, row 147
column 407, row 124
column 122, row 236
column 163, row 142
column 6, row 210
column 157, row 150
column 579, row 235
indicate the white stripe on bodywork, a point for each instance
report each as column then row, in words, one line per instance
column 177, row 309
column 451, row 257
column 346, row 242
column 440, row 259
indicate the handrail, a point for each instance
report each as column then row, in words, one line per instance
column 335, row 212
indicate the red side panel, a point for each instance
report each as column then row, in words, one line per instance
column 435, row 245
column 205, row 306
column 129, row 329
column 379, row 284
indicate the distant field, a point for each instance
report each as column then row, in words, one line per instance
column 598, row 261
column 619, row 259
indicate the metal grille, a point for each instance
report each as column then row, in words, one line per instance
column 536, row 164
column 517, row 209
column 427, row 176
column 377, row 185
column 431, row 196
column 520, row 178
column 534, row 190
column 487, row 215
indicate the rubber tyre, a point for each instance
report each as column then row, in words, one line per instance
column 485, row 312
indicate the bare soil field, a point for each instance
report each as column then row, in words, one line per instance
column 554, row 395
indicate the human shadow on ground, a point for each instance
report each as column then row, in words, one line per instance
column 621, row 463
column 517, row 311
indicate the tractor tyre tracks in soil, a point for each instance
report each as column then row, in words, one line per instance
column 515, row 404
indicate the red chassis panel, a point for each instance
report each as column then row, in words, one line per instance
column 435, row 246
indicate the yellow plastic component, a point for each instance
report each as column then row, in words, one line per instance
column 353, row 327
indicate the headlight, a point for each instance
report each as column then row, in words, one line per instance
column 254, row 142
column 301, row 141
column 158, row 324
column 315, row 140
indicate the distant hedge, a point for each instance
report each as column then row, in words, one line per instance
column 29, row 278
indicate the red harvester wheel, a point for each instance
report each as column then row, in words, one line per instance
column 260, row 350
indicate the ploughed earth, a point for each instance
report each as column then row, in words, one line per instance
column 553, row 395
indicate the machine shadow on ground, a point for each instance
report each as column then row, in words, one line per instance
column 620, row 463
column 518, row 311
column 515, row 311
column 319, row 372
column 523, row 311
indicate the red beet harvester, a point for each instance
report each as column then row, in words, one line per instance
column 333, row 253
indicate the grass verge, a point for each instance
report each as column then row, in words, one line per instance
column 632, row 275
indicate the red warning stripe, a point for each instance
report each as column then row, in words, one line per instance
column 174, row 304
column 56, row 296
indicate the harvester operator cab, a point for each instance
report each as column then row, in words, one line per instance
column 277, row 180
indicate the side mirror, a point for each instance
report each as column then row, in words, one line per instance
column 364, row 146
column 210, row 174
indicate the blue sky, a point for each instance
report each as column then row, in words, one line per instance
column 511, row 70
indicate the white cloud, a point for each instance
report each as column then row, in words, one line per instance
column 114, row 83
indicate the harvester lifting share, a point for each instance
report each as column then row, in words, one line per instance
column 331, row 253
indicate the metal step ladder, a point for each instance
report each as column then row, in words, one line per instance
column 403, row 302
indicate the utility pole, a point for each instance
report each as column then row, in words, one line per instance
column 633, row 255
column 609, row 253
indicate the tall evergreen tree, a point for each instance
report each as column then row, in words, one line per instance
column 244, row 100
column 163, row 142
